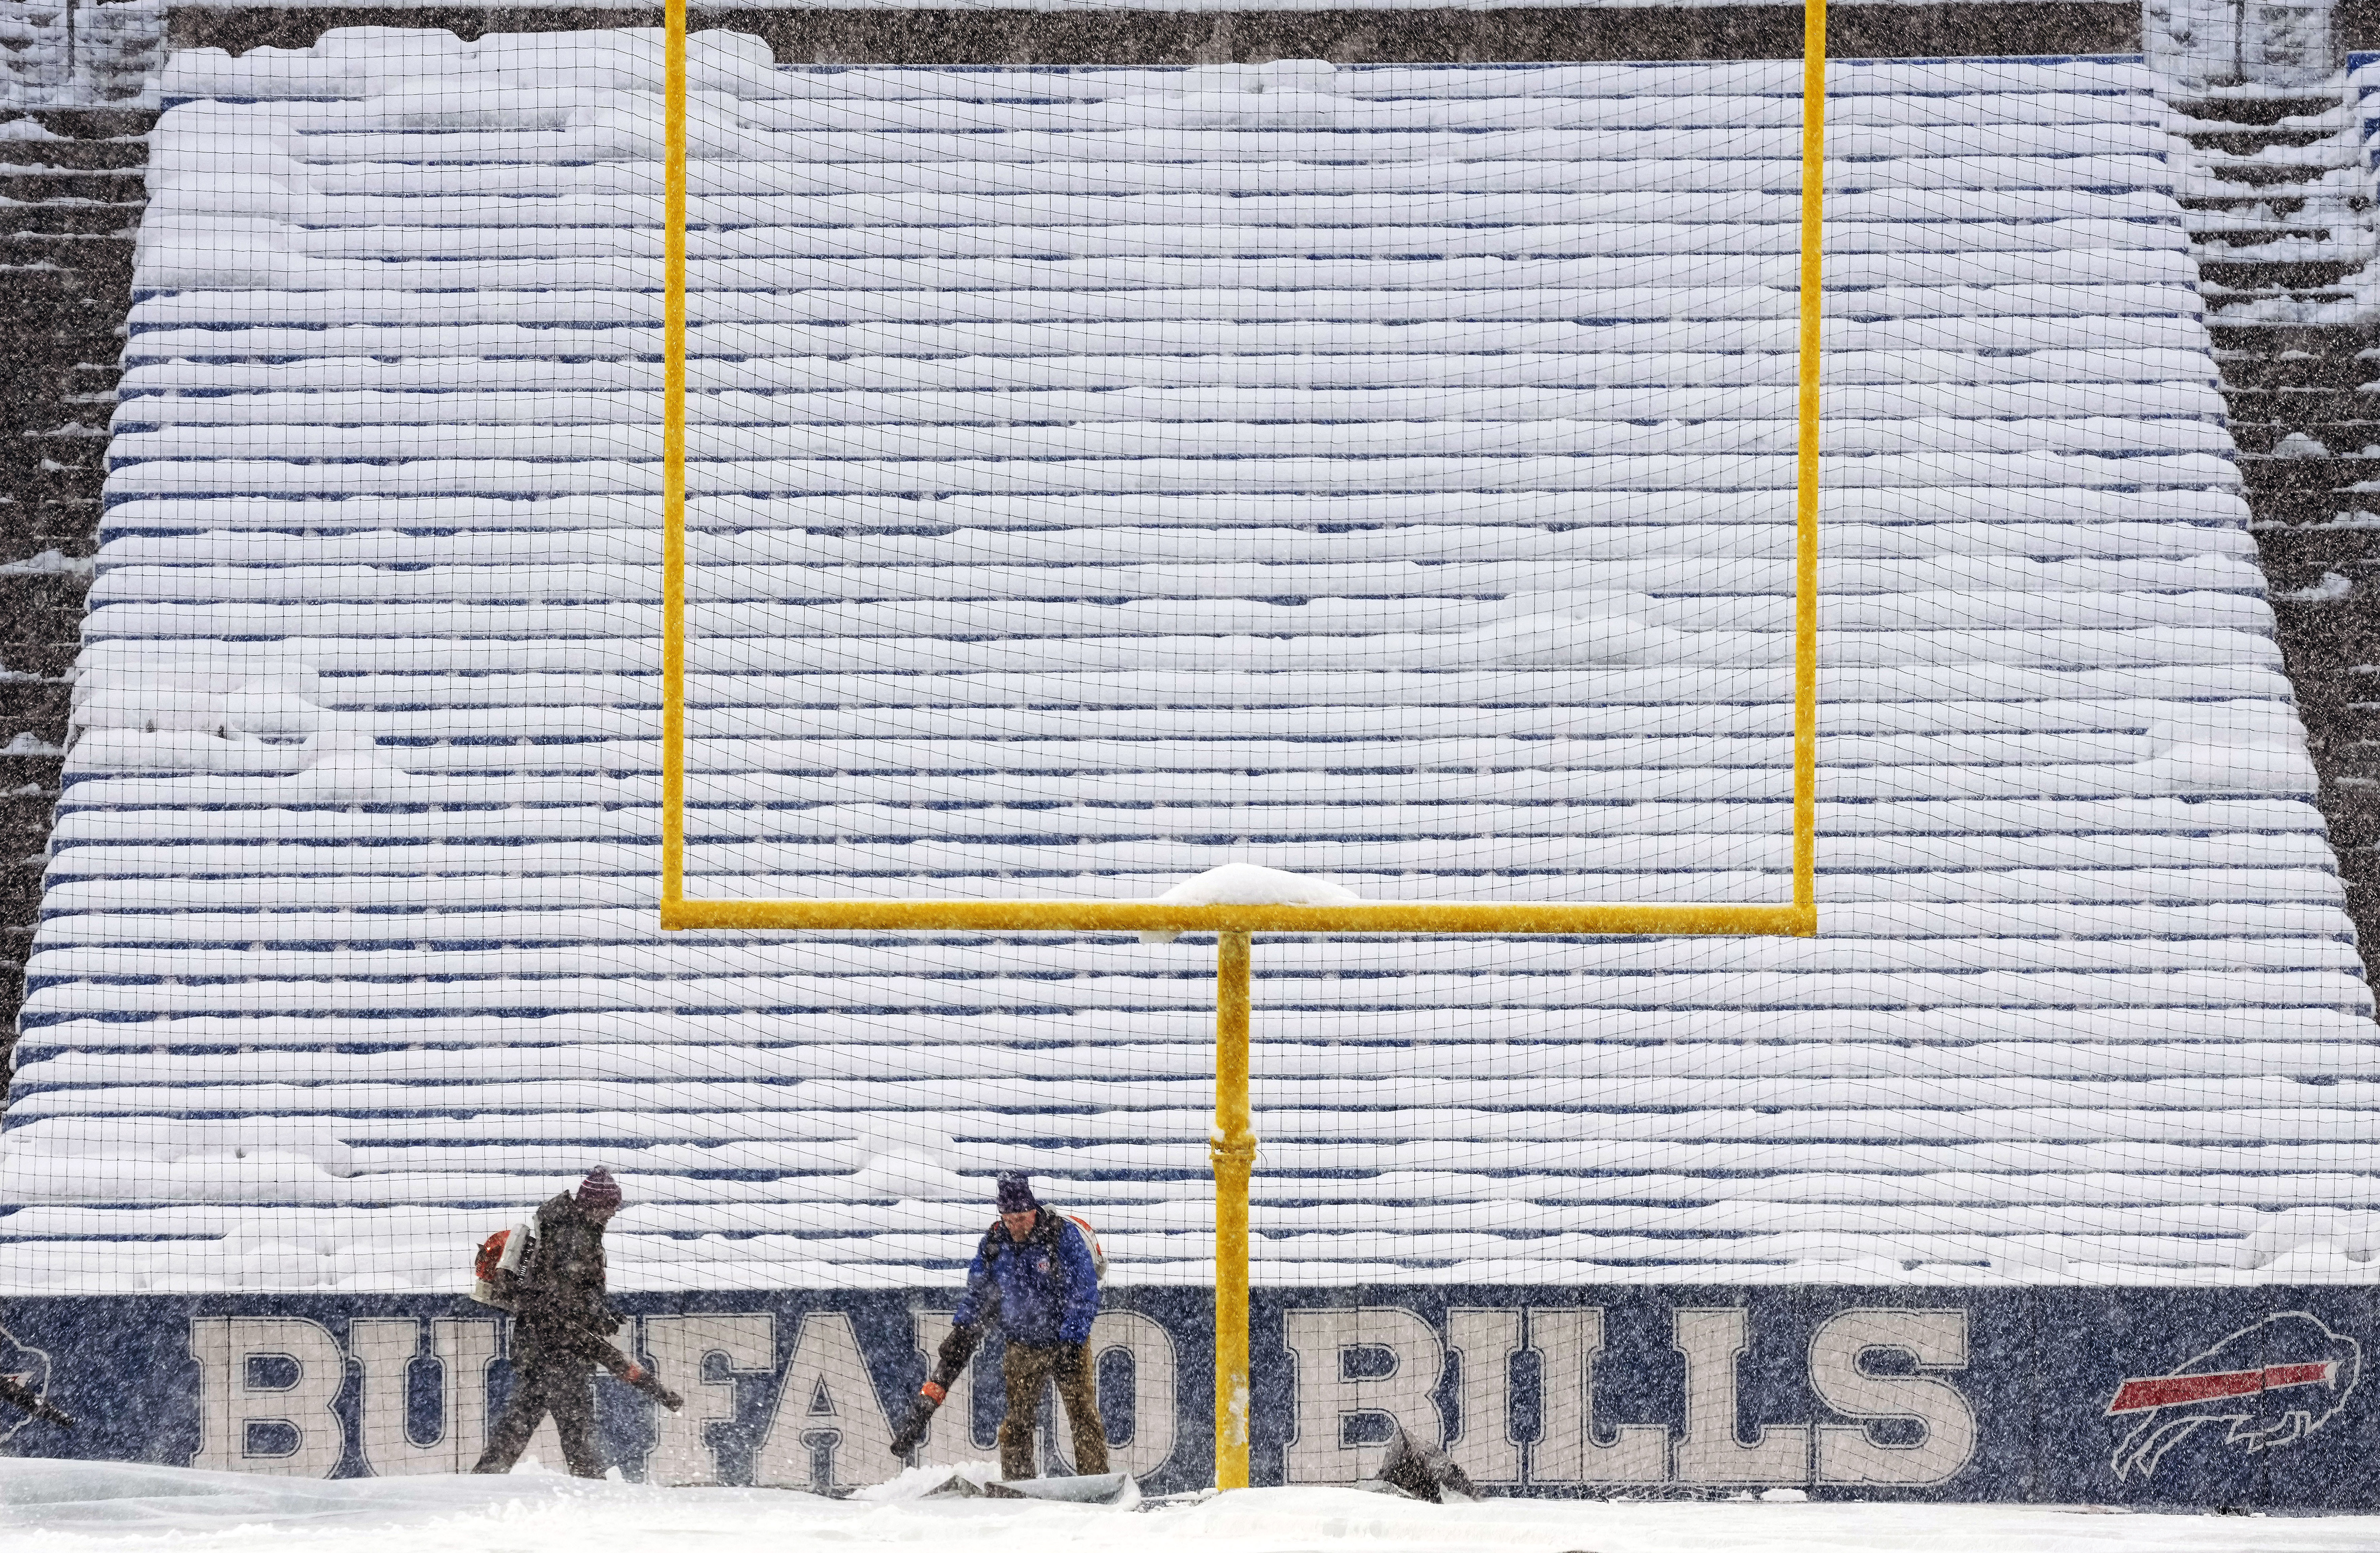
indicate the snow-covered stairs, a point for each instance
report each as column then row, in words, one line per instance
column 2280, row 212
column 73, row 185
column 1102, row 475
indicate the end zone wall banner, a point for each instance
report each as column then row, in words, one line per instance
column 2252, row 1397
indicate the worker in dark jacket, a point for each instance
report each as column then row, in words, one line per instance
column 561, row 1297
column 1035, row 1268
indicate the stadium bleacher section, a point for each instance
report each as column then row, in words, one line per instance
column 1101, row 475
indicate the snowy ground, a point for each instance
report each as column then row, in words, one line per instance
column 81, row 1505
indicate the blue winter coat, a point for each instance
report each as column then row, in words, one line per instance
column 1043, row 1287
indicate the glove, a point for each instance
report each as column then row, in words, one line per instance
column 607, row 1320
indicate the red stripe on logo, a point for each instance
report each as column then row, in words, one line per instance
column 2278, row 1375
column 2172, row 1391
column 2169, row 1391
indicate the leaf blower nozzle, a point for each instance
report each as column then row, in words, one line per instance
column 956, row 1350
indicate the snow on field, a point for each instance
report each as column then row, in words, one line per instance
column 60, row 1507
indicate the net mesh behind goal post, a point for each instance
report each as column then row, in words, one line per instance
column 1234, row 1143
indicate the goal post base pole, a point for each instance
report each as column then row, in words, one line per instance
column 1233, row 1150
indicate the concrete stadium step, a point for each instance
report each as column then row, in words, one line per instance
column 77, row 181
column 2283, row 253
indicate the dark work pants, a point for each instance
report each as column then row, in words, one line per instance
column 1028, row 1367
column 555, row 1382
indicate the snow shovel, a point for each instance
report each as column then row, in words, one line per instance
column 24, row 1398
column 1100, row 1488
column 1424, row 1472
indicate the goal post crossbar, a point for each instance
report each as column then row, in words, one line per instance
column 1234, row 1143
column 1143, row 916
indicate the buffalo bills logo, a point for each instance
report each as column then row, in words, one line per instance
column 2275, row 1383
column 28, row 1371
column 1041, row 1266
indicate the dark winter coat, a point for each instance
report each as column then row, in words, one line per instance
column 1044, row 1287
column 562, row 1286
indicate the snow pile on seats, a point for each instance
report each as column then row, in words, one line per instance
column 1102, row 475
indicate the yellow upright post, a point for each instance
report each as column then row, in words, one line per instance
column 674, row 635
column 1805, row 470
column 1233, row 1150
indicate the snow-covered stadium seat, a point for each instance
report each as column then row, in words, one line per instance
column 1102, row 475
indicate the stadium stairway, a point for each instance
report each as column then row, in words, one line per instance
column 1040, row 551
column 2280, row 207
column 72, row 185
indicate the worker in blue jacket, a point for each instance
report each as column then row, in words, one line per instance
column 1035, row 1270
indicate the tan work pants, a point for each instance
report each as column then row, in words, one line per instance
column 1028, row 1367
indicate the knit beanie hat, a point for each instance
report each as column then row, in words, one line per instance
column 598, row 1193
column 1016, row 1193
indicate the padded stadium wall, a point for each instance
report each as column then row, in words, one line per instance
column 2240, row 1399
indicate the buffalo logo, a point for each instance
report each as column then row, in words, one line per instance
column 27, row 1371
column 2275, row 1383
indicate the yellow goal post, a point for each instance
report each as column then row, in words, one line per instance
column 1234, row 1144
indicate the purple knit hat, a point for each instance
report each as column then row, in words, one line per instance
column 598, row 1193
column 1015, row 1192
